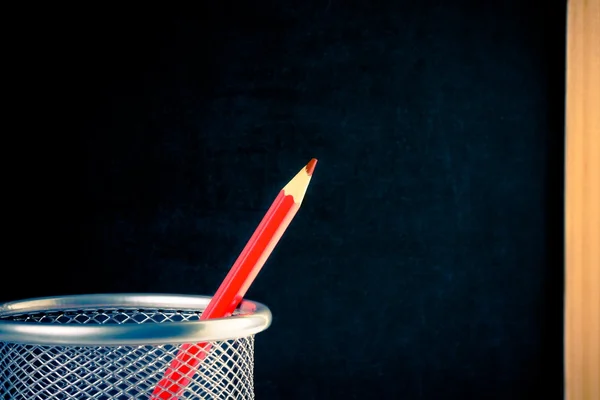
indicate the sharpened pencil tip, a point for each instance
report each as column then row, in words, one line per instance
column 310, row 167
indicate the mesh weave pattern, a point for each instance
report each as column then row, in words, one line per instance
column 31, row 372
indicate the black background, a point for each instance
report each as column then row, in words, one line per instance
column 142, row 149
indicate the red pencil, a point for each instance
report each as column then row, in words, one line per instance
column 238, row 280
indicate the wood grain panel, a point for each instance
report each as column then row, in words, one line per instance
column 582, row 202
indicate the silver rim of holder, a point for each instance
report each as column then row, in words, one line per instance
column 250, row 318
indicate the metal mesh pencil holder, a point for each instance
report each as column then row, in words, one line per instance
column 118, row 346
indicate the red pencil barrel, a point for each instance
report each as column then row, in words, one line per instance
column 227, row 297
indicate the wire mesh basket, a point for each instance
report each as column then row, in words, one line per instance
column 118, row 346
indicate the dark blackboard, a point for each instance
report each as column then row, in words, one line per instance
column 426, row 260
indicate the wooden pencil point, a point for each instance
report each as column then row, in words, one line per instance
column 298, row 185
